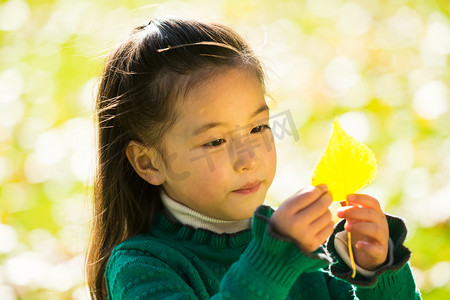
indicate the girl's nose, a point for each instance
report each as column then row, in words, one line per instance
column 245, row 158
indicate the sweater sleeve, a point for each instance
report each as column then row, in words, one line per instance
column 390, row 281
column 267, row 269
column 270, row 265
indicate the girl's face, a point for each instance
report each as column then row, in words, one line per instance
column 221, row 156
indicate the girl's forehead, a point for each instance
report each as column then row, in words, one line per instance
column 229, row 98
column 213, row 78
column 223, row 90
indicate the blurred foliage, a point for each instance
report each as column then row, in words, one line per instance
column 381, row 66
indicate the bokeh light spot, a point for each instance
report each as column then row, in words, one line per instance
column 401, row 154
column 440, row 274
column 431, row 100
column 13, row 15
column 354, row 20
column 341, row 73
column 356, row 124
column 8, row 238
column 438, row 38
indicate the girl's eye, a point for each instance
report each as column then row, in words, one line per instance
column 215, row 143
column 260, row 128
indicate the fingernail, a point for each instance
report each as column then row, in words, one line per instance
column 361, row 244
column 307, row 189
column 347, row 226
column 323, row 187
column 351, row 197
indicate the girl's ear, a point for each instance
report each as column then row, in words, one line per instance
column 144, row 161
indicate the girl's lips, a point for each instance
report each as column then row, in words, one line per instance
column 249, row 189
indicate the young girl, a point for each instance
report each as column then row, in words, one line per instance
column 186, row 156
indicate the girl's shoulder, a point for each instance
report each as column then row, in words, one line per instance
column 137, row 247
column 143, row 251
column 144, row 262
column 137, row 243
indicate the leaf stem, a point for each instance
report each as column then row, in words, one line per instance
column 350, row 251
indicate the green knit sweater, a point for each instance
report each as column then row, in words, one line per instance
column 178, row 262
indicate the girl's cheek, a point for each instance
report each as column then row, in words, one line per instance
column 270, row 149
column 272, row 160
column 208, row 162
column 269, row 142
column 222, row 165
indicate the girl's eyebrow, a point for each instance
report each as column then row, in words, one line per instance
column 207, row 126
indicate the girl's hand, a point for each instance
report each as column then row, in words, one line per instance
column 369, row 228
column 305, row 217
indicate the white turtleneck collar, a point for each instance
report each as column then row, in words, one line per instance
column 190, row 217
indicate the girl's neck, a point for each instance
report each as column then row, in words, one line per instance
column 190, row 217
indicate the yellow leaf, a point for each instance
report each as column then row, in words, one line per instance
column 346, row 166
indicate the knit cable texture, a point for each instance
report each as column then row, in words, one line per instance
column 179, row 262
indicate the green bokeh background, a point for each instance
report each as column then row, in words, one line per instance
column 381, row 67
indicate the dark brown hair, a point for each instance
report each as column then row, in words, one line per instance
column 142, row 80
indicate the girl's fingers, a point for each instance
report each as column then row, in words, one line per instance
column 316, row 209
column 365, row 201
column 361, row 214
column 374, row 254
column 325, row 232
column 373, row 250
column 374, row 231
column 320, row 223
column 304, row 198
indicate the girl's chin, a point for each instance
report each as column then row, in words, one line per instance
column 247, row 212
